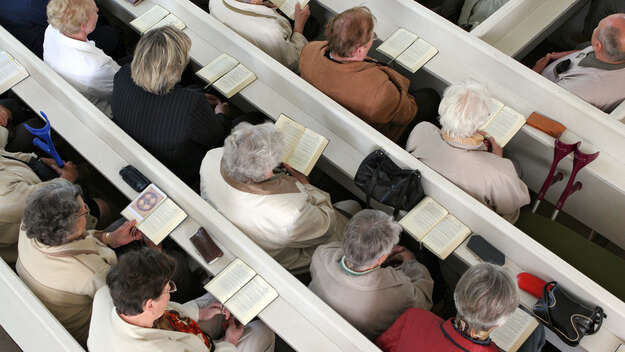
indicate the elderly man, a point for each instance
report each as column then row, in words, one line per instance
column 460, row 153
column 68, row 51
column 350, row 278
column 284, row 214
column 340, row 68
column 595, row 73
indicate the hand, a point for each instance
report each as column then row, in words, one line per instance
column 124, row 234
column 5, row 116
column 541, row 64
column 561, row 54
column 69, row 171
column 212, row 310
column 301, row 16
column 234, row 332
column 222, row 108
column 493, row 146
column 298, row 175
column 213, row 100
column 400, row 253
column 269, row 4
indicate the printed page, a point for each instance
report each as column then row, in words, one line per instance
column 230, row 280
column 251, row 299
column 446, row 236
column 307, row 151
column 417, row 55
column 149, row 19
column 217, row 68
column 170, row 20
column 162, row 221
column 234, row 81
column 511, row 335
column 397, row 43
column 11, row 72
column 288, row 6
column 144, row 204
column 504, row 125
column 291, row 132
column 420, row 220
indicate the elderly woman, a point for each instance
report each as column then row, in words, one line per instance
column 340, row 68
column 62, row 262
column 259, row 22
column 68, row 51
column 350, row 278
column 136, row 311
column 177, row 125
column 285, row 215
column 461, row 153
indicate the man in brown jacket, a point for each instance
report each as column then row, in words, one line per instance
column 373, row 91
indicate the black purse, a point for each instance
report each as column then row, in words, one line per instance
column 567, row 317
column 381, row 179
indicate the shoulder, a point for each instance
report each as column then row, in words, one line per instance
column 123, row 75
column 417, row 316
column 314, row 49
column 332, row 249
column 211, row 164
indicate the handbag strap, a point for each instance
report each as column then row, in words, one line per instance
column 372, row 183
column 546, row 300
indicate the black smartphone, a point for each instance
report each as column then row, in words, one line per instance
column 134, row 178
column 486, row 251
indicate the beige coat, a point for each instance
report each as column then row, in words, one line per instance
column 263, row 27
column 485, row 176
column 370, row 302
column 66, row 277
column 284, row 217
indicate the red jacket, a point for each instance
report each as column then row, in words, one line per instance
column 420, row 330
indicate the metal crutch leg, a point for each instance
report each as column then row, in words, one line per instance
column 560, row 150
column 580, row 160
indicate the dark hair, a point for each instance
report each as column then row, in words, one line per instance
column 138, row 276
column 349, row 30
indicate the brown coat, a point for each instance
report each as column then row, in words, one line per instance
column 374, row 92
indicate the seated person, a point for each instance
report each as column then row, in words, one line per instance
column 68, row 51
column 595, row 73
column 475, row 12
column 175, row 124
column 140, row 317
column 259, row 22
column 63, row 263
column 285, row 215
column 460, row 153
column 485, row 297
column 371, row 90
column 348, row 276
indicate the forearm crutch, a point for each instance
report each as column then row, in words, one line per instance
column 580, row 160
column 560, row 150
column 43, row 140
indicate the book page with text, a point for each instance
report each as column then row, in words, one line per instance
column 291, row 133
column 307, row 151
column 446, row 236
column 249, row 301
column 170, row 20
column 420, row 220
column 149, row 19
column 288, row 6
column 11, row 72
column 513, row 333
column 417, row 55
column 217, row 68
column 397, row 43
column 162, row 221
column 234, row 81
column 504, row 125
column 230, row 280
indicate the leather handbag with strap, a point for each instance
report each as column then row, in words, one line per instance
column 381, row 179
column 566, row 316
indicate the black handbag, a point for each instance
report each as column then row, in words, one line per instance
column 567, row 317
column 381, row 179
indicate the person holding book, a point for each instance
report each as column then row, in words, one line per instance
column 596, row 73
column 68, row 51
column 61, row 261
column 284, row 214
column 260, row 22
column 485, row 297
column 134, row 313
column 379, row 95
column 175, row 124
column 368, row 279
column 464, row 156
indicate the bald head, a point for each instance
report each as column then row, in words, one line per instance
column 608, row 39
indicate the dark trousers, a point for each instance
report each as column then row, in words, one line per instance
column 427, row 100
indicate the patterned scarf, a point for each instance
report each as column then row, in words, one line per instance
column 172, row 320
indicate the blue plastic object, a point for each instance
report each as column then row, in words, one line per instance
column 43, row 140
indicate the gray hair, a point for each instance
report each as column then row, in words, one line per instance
column 485, row 297
column 52, row 212
column 464, row 108
column 250, row 151
column 369, row 235
column 610, row 39
column 160, row 58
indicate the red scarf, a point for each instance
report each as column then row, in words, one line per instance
column 188, row 325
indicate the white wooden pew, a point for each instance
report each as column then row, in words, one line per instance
column 276, row 86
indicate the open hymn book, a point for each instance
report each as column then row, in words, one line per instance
column 288, row 6
column 154, row 18
column 512, row 334
column 303, row 146
column 244, row 293
column 227, row 75
column 410, row 51
column 156, row 214
column 11, row 72
column 434, row 227
column 503, row 122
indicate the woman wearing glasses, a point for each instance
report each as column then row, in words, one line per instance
column 62, row 262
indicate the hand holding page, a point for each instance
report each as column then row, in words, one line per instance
column 513, row 333
column 503, row 124
column 11, row 72
column 223, row 64
column 288, row 6
column 146, row 21
column 303, row 146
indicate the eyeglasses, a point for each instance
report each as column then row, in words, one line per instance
column 85, row 212
column 172, row 286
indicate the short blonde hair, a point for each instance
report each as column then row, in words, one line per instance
column 68, row 15
column 350, row 30
column 160, row 58
column 464, row 108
